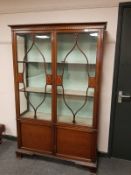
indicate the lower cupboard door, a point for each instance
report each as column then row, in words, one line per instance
column 36, row 137
column 76, row 144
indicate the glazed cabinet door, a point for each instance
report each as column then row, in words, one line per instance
column 77, row 54
column 34, row 90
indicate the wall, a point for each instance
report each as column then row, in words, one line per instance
column 7, row 102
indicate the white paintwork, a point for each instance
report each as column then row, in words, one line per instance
column 7, row 102
column 16, row 6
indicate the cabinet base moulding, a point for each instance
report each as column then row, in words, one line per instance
column 92, row 166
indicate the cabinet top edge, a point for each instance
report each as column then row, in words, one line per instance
column 97, row 25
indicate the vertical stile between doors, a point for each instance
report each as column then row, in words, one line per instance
column 54, row 89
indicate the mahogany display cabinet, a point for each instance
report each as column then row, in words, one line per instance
column 57, row 83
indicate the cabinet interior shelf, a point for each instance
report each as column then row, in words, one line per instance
column 79, row 120
column 59, row 91
column 40, row 115
column 60, row 118
column 70, row 63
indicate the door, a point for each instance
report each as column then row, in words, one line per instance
column 121, row 102
column 76, row 66
column 34, row 102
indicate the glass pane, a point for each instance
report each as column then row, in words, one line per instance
column 34, row 64
column 78, row 48
column 75, row 100
column 34, row 73
column 35, row 47
column 35, row 105
column 76, row 63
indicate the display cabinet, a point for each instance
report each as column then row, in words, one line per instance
column 57, row 83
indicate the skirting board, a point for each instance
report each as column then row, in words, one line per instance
column 9, row 137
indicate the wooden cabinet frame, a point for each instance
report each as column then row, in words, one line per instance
column 52, row 138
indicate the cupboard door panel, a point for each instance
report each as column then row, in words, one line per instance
column 36, row 137
column 76, row 143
